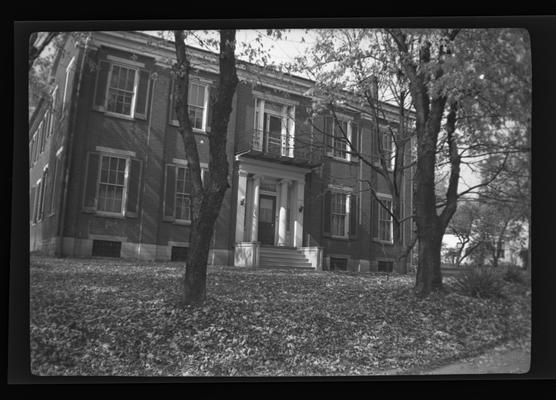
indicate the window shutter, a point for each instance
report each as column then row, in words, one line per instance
column 47, row 192
column 210, row 91
column 32, row 204
column 353, row 215
column 169, row 193
column 374, row 147
column 141, row 105
column 326, row 213
column 134, row 183
column 100, row 88
column 250, row 123
column 354, row 139
column 58, row 182
column 90, row 195
column 172, row 116
column 328, row 128
column 374, row 214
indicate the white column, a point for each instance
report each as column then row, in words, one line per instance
column 255, row 211
column 282, row 213
column 241, row 205
column 298, row 221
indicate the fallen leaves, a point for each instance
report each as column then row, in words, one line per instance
column 116, row 317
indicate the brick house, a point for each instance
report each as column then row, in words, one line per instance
column 108, row 173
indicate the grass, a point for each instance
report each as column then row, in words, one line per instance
column 124, row 318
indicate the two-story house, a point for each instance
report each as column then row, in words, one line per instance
column 109, row 176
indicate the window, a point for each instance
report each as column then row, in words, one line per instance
column 385, row 220
column 122, row 88
column 338, row 264
column 387, row 147
column 340, row 214
column 274, row 128
column 336, row 131
column 197, row 99
column 33, row 151
column 55, row 179
column 40, row 200
column 179, row 253
column 106, row 248
column 178, row 192
column 46, row 193
column 385, row 266
column 112, row 183
column 69, row 74
column 41, row 136
column 183, row 194
column 196, row 103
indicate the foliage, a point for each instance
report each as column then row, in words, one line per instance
column 116, row 317
column 480, row 282
column 513, row 274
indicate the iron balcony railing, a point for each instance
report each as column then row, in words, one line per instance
column 296, row 151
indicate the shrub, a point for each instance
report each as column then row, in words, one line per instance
column 514, row 275
column 482, row 282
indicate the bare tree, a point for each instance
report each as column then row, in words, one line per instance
column 207, row 199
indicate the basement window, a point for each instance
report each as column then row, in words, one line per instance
column 338, row 264
column 385, row 266
column 179, row 253
column 106, row 248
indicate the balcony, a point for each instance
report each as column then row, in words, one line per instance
column 270, row 147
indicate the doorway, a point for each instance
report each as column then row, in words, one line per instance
column 267, row 218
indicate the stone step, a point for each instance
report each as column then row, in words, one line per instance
column 284, row 263
column 284, row 255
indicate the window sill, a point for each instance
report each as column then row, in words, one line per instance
column 340, row 159
column 115, row 115
column 383, row 241
column 334, row 237
column 107, row 214
column 195, row 130
column 183, row 222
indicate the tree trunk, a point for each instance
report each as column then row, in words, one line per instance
column 207, row 200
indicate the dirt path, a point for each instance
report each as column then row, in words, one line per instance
column 507, row 359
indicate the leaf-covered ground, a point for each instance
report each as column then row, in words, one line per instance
column 116, row 317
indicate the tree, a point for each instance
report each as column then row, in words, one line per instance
column 207, row 199
column 463, row 85
column 348, row 74
column 446, row 69
column 463, row 225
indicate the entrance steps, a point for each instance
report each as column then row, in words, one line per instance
column 275, row 256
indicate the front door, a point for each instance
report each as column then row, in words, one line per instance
column 267, row 212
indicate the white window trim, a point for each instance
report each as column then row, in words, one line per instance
column 286, row 115
column 64, row 99
column 127, row 158
column 129, row 65
column 347, row 214
column 330, row 151
column 54, row 97
column 206, row 84
column 114, row 152
column 383, row 196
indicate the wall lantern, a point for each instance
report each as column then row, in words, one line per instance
column 242, row 202
column 300, row 208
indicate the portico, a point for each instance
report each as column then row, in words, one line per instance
column 270, row 200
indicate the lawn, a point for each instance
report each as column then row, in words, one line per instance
column 124, row 318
